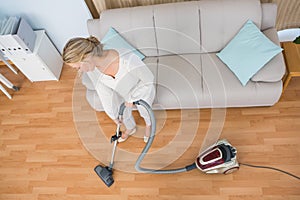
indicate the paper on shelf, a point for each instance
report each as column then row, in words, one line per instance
column 18, row 38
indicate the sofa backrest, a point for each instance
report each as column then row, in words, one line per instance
column 134, row 24
column 269, row 14
column 221, row 20
column 177, row 28
column 182, row 28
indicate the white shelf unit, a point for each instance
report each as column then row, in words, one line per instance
column 43, row 64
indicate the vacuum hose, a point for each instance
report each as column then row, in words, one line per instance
column 149, row 143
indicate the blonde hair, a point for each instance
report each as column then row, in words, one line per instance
column 79, row 48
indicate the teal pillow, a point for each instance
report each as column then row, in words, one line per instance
column 113, row 40
column 248, row 52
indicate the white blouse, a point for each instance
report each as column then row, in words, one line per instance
column 132, row 82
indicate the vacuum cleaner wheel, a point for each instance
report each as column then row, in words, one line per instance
column 231, row 170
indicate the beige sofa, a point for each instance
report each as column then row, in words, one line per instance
column 180, row 42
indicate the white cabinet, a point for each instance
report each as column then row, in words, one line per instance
column 43, row 64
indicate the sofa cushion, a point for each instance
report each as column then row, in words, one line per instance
column 248, row 52
column 221, row 20
column 223, row 89
column 177, row 28
column 179, row 81
column 275, row 69
column 134, row 24
column 113, row 40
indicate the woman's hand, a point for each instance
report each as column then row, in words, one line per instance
column 129, row 104
column 118, row 121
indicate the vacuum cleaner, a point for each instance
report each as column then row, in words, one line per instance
column 219, row 158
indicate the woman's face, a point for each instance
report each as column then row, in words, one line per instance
column 85, row 65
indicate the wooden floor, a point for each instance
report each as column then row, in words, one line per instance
column 42, row 156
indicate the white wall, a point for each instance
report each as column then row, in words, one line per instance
column 62, row 19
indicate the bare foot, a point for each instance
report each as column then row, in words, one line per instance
column 127, row 133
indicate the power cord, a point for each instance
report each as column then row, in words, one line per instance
column 272, row 168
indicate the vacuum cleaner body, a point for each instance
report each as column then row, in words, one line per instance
column 219, row 158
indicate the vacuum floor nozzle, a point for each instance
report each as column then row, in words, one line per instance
column 105, row 173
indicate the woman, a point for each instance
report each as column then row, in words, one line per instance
column 118, row 75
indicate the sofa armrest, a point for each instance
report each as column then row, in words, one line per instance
column 274, row 70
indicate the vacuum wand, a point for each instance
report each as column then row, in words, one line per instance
column 115, row 146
